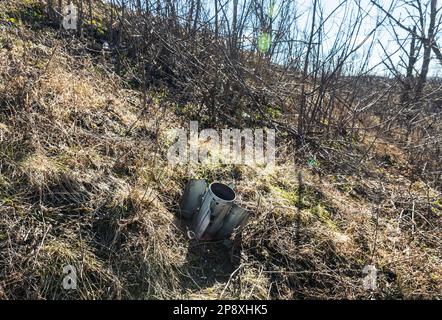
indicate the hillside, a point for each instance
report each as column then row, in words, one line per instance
column 84, row 181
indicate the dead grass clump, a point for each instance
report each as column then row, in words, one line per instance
column 62, row 201
column 84, row 181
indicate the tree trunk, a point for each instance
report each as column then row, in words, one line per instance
column 428, row 44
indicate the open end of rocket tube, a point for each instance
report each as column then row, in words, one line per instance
column 222, row 191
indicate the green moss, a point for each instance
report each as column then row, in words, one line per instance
column 212, row 172
column 311, row 204
column 3, row 181
column 274, row 112
column 29, row 11
column 290, row 196
column 7, row 18
column 187, row 109
column 323, row 215
column 7, row 201
column 347, row 188
column 343, row 183
column 97, row 25
column 436, row 207
column 12, row 20
column 434, row 277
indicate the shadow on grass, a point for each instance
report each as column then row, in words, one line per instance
column 207, row 262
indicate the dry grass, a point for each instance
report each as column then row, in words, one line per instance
column 84, row 181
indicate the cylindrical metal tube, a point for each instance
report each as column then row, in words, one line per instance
column 216, row 204
column 192, row 197
column 236, row 218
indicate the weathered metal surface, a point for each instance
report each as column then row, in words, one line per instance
column 236, row 218
column 218, row 213
column 192, row 197
column 216, row 204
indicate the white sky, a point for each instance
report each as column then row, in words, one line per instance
column 384, row 34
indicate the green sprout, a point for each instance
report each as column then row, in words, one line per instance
column 312, row 162
column 264, row 42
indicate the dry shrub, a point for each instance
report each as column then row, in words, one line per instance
column 68, row 190
column 84, row 181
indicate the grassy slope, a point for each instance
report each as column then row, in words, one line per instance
column 84, row 181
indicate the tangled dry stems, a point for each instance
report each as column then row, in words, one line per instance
column 84, row 181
